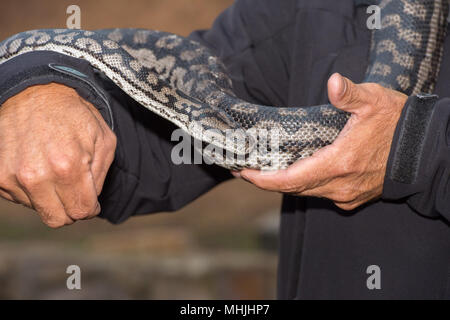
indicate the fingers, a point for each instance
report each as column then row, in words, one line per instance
column 99, row 170
column 73, row 181
column 47, row 204
column 103, row 157
column 10, row 188
column 104, row 148
column 35, row 187
column 305, row 174
column 5, row 195
column 346, row 95
column 61, row 192
column 79, row 198
column 16, row 195
column 350, row 171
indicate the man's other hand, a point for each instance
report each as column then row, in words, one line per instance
column 351, row 170
column 55, row 152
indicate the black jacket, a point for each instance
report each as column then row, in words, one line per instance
column 281, row 53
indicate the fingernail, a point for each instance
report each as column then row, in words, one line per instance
column 343, row 85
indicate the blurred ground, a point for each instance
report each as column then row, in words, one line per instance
column 219, row 247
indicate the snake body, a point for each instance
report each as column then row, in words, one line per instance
column 185, row 83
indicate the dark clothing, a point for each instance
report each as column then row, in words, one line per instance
column 281, row 53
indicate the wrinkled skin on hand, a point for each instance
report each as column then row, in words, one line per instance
column 55, row 152
column 351, row 170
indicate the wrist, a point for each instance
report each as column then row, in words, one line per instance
column 45, row 68
column 40, row 96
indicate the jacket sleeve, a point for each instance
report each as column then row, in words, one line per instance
column 418, row 170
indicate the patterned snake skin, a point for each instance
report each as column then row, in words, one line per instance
column 186, row 84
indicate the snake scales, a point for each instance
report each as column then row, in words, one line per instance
column 186, row 84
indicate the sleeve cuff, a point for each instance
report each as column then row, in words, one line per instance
column 409, row 139
column 417, row 166
column 44, row 67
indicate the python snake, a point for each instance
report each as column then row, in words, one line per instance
column 185, row 83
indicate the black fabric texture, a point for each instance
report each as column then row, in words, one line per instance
column 412, row 130
column 427, row 188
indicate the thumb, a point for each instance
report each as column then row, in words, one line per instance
column 346, row 95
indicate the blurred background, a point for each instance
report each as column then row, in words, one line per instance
column 222, row 246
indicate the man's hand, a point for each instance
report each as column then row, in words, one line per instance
column 350, row 171
column 55, row 151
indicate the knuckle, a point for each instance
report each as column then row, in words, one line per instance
column 29, row 177
column 354, row 94
column 83, row 211
column 370, row 108
column 346, row 165
column 55, row 222
column 63, row 165
column 351, row 98
column 288, row 187
column 85, row 160
column 288, row 182
column 4, row 183
column 350, row 207
column 344, row 206
column 378, row 95
column 345, row 196
column 111, row 141
column 355, row 97
column 78, row 214
column 373, row 87
column 379, row 88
